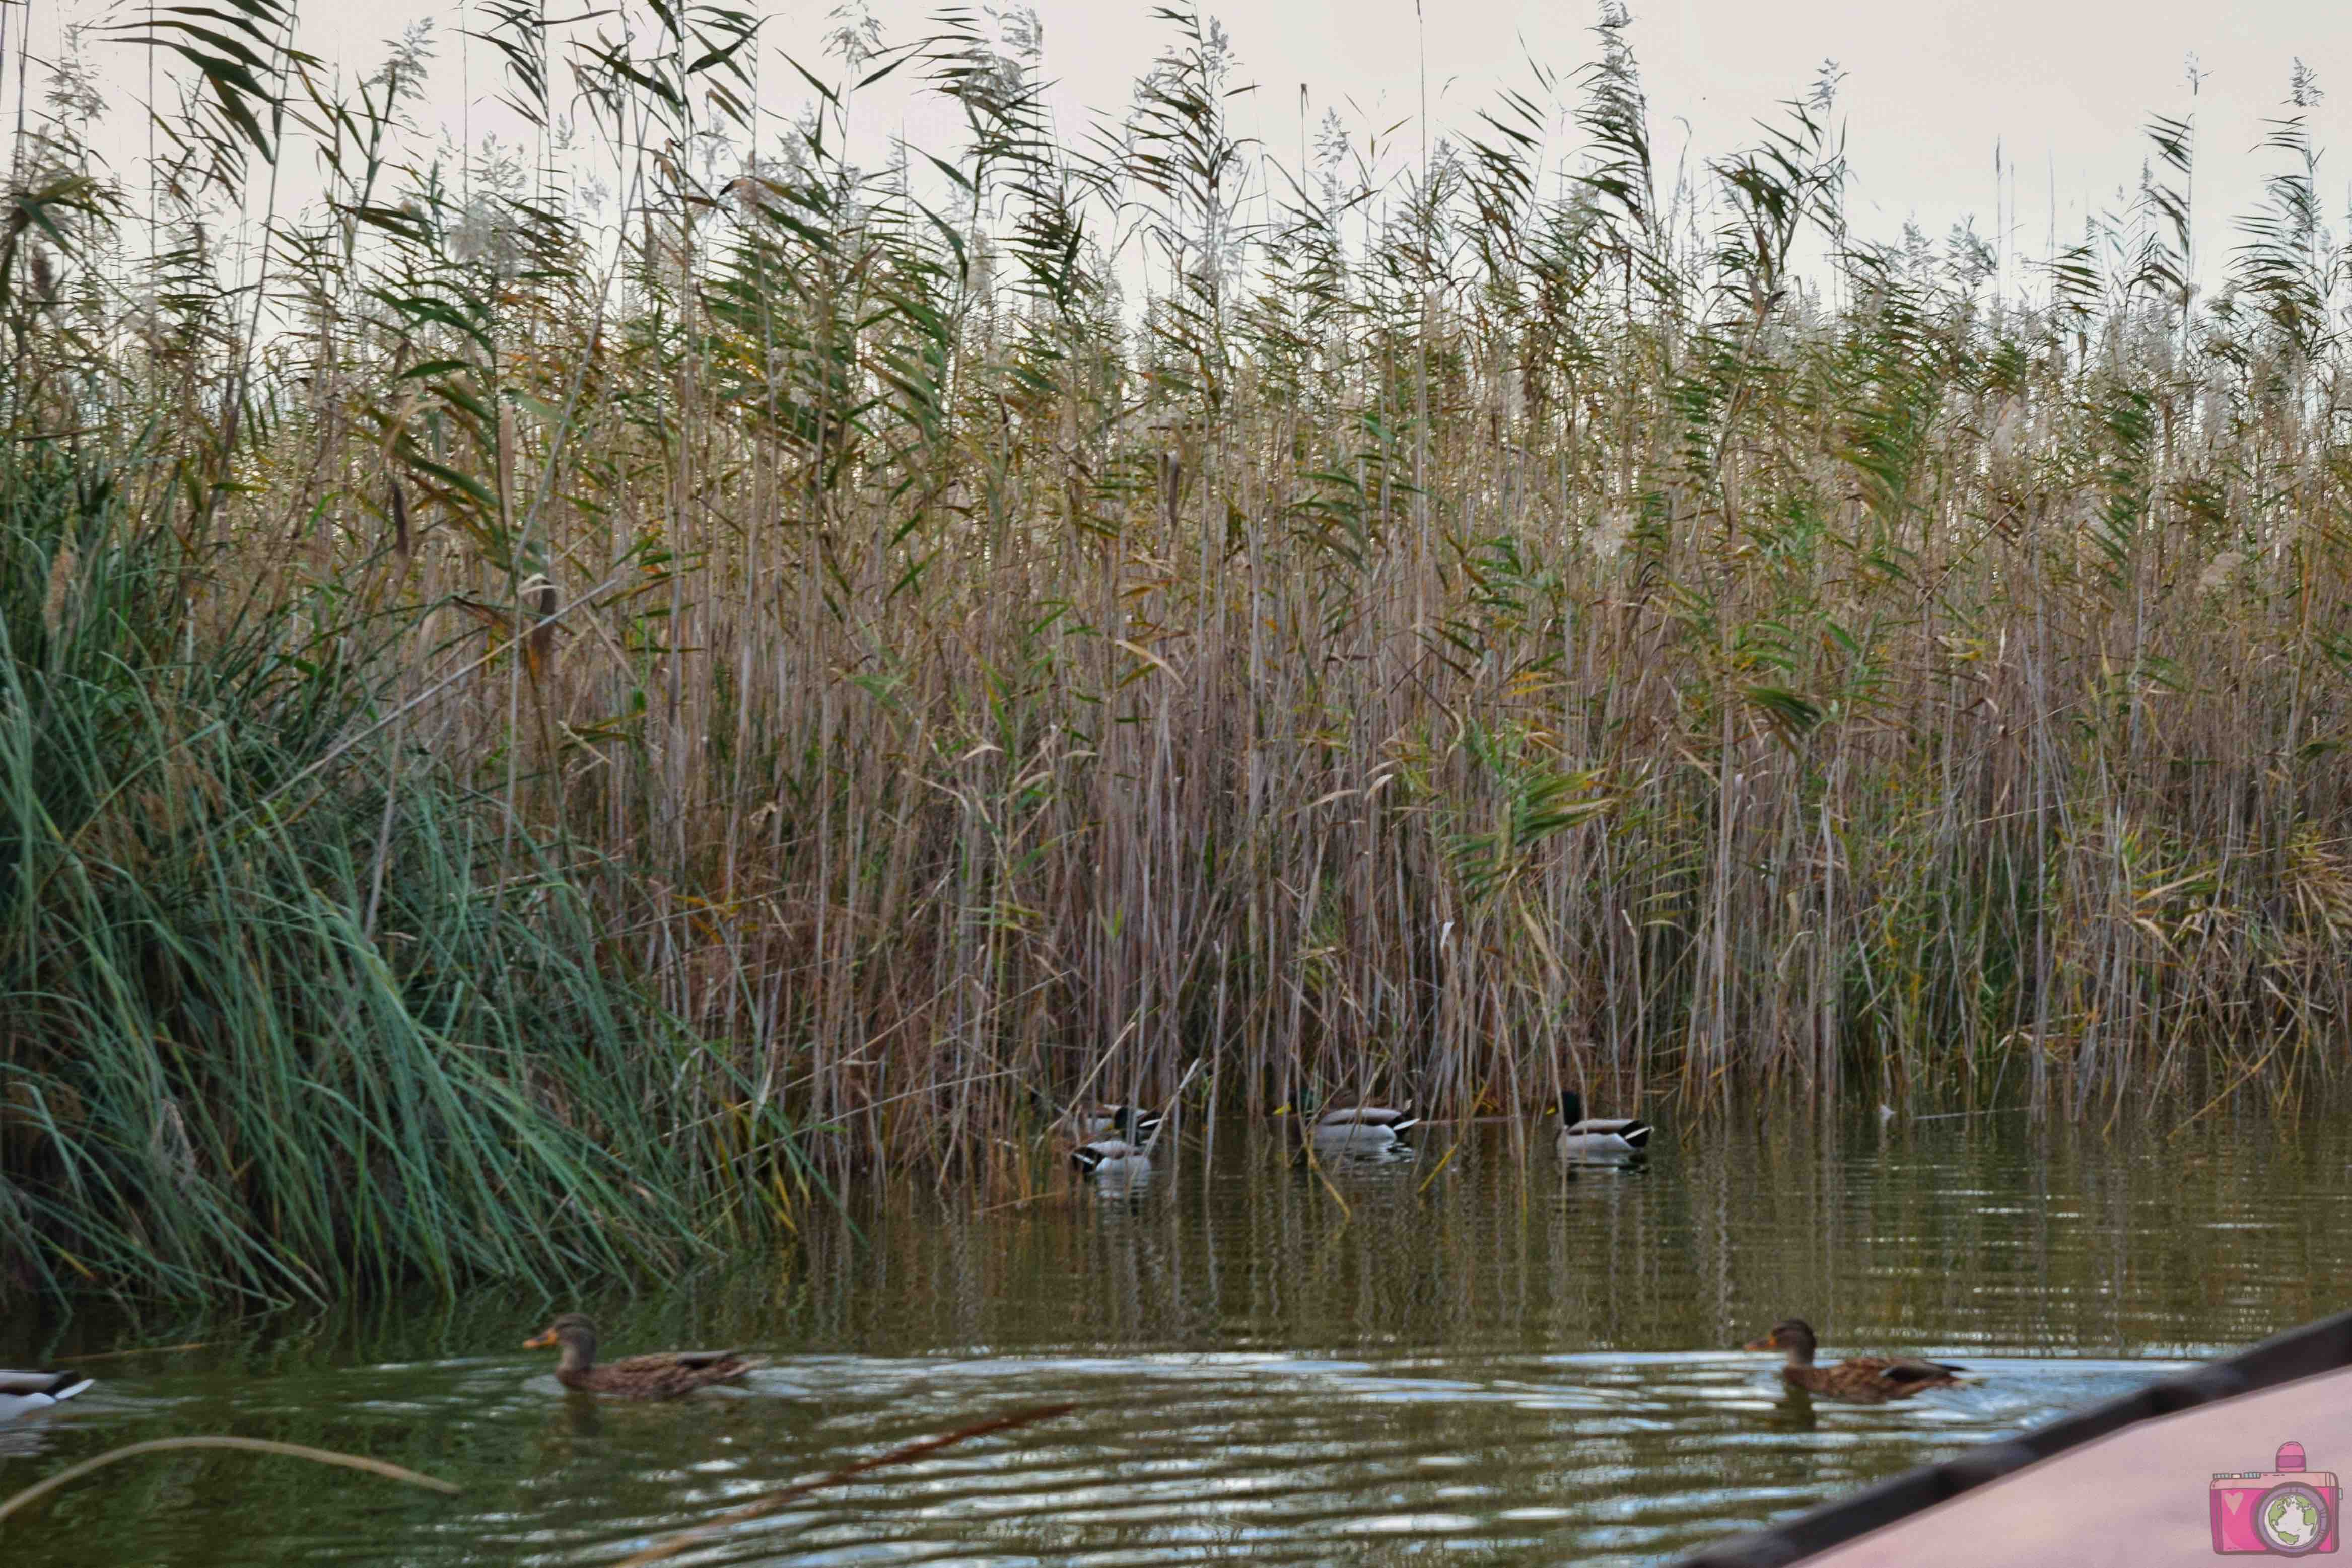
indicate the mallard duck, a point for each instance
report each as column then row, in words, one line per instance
column 1361, row 1129
column 1583, row 1137
column 1091, row 1121
column 662, row 1375
column 1862, row 1379
column 1111, row 1160
column 22, row 1393
column 1115, row 1120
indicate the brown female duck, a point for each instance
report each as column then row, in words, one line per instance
column 664, row 1375
column 1864, row 1379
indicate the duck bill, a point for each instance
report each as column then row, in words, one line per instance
column 541, row 1342
column 1764, row 1344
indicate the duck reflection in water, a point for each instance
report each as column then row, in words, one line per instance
column 1602, row 1170
column 1345, row 1158
column 579, row 1418
column 1794, row 1410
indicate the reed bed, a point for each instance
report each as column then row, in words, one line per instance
column 822, row 656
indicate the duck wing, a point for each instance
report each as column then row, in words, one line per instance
column 669, row 1360
column 1874, row 1377
column 53, row 1384
column 1091, row 1158
column 22, row 1393
column 1347, row 1118
column 1912, row 1369
column 662, row 1375
column 1633, row 1130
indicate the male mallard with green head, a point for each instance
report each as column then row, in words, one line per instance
column 1112, row 1162
column 1126, row 1121
column 1131, row 1123
column 1361, row 1130
column 1608, row 1139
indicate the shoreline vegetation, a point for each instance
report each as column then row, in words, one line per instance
column 552, row 721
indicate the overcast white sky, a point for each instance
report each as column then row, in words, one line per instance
column 1931, row 86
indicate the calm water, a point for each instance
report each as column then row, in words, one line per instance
column 1464, row 1357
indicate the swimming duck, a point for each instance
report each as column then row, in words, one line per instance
column 1361, row 1129
column 1583, row 1137
column 1862, row 1379
column 1115, row 1120
column 662, row 1375
column 22, row 1393
column 1091, row 1121
column 1118, row 1141
column 1108, row 1157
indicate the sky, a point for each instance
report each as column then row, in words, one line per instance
column 1931, row 87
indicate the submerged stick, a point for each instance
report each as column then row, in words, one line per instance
column 662, row 1550
column 249, row 1444
column 147, row 1350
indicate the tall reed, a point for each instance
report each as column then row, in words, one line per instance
column 1058, row 606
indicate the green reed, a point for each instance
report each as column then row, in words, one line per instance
column 285, row 1014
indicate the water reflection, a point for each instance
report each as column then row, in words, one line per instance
column 1477, row 1350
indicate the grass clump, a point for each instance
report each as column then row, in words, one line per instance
column 283, row 1011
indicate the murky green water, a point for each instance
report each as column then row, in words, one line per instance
column 1472, row 1359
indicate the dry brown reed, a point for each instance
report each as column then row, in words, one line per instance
column 1445, row 636
column 72, row 1473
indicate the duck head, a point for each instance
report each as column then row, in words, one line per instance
column 1794, row 1336
column 576, row 1333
